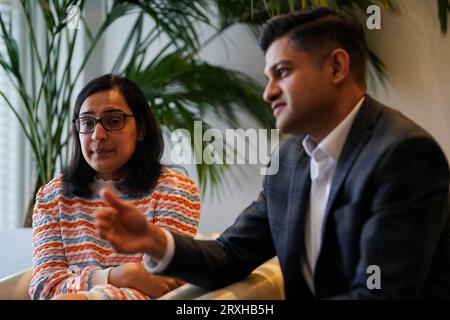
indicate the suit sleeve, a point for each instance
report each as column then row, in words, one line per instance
column 237, row 252
column 409, row 210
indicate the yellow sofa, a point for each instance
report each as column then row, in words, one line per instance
column 264, row 283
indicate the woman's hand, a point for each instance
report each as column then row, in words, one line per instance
column 70, row 296
column 134, row 275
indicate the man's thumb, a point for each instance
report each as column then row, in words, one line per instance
column 111, row 199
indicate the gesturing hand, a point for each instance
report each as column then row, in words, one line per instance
column 127, row 229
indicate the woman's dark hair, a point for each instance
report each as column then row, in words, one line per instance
column 143, row 168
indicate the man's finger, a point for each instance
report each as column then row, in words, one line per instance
column 180, row 282
column 106, row 214
column 102, row 233
column 172, row 284
column 113, row 200
column 103, row 225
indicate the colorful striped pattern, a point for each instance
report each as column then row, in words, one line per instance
column 67, row 251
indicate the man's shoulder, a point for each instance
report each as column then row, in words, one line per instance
column 393, row 124
column 385, row 122
column 396, row 135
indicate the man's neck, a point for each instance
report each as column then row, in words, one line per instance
column 343, row 107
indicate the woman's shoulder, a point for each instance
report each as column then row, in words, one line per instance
column 52, row 188
column 175, row 174
column 177, row 178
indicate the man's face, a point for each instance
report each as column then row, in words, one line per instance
column 298, row 88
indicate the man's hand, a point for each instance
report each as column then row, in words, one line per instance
column 134, row 275
column 127, row 229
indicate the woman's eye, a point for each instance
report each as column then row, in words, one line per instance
column 114, row 120
column 86, row 122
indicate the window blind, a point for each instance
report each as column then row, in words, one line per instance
column 10, row 144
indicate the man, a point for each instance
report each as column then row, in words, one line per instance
column 360, row 188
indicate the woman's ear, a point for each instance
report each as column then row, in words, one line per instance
column 140, row 130
column 340, row 64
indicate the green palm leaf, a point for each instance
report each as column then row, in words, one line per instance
column 177, row 19
column 254, row 13
column 182, row 90
column 443, row 12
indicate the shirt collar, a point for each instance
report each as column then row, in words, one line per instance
column 333, row 143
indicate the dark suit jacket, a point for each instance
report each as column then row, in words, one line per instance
column 388, row 206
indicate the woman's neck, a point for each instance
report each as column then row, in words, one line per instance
column 107, row 176
column 99, row 183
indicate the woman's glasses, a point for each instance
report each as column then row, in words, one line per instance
column 110, row 122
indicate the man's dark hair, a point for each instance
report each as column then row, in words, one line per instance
column 143, row 168
column 318, row 31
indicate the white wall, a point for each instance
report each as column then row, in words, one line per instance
column 15, row 250
column 237, row 49
column 417, row 59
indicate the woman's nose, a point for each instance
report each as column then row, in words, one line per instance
column 99, row 132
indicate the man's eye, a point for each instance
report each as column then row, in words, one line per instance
column 282, row 72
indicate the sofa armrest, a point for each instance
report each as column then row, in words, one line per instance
column 15, row 287
column 264, row 283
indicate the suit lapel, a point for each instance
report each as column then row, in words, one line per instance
column 300, row 185
column 359, row 133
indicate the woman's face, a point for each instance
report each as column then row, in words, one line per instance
column 107, row 151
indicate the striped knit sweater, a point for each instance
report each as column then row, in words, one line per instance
column 68, row 255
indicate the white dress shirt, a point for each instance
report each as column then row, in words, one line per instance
column 324, row 157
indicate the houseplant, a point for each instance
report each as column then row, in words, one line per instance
column 180, row 87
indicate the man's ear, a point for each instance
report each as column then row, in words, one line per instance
column 340, row 65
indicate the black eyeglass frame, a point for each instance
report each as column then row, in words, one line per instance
column 124, row 115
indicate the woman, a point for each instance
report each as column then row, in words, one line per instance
column 117, row 144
